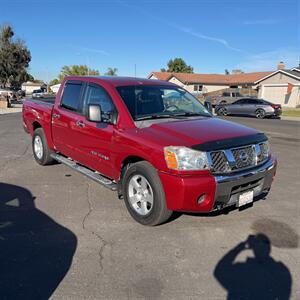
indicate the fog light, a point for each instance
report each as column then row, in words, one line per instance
column 201, row 199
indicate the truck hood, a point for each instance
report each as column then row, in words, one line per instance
column 196, row 131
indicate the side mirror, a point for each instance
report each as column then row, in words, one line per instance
column 208, row 106
column 94, row 113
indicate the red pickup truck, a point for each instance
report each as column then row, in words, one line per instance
column 152, row 142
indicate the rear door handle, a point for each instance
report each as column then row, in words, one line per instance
column 80, row 124
column 56, row 116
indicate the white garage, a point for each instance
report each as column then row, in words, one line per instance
column 278, row 94
column 281, row 87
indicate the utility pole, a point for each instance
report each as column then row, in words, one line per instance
column 88, row 65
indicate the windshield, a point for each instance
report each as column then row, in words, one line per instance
column 149, row 102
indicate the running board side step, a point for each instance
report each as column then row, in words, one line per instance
column 85, row 171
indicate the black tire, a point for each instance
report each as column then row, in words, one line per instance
column 45, row 158
column 159, row 212
column 222, row 111
column 260, row 113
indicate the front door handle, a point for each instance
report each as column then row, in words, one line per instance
column 80, row 124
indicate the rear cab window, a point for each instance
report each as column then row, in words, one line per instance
column 71, row 98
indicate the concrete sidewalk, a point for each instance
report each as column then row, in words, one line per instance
column 14, row 109
column 290, row 118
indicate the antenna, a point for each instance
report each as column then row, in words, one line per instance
column 134, row 70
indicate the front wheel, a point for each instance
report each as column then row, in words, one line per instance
column 222, row 111
column 143, row 194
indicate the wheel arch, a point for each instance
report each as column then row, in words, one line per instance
column 126, row 162
column 131, row 159
column 36, row 125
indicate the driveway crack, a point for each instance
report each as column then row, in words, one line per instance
column 103, row 242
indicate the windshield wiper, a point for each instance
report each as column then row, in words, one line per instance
column 191, row 114
column 157, row 116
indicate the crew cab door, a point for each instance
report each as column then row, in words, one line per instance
column 95, row 140
column 66, row 119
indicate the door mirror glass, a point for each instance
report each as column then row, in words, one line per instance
column 94, row 113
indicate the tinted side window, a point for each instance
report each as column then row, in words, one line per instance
column 97, row 95
column 240, row 102
column 71, row 96
column 253, row 101
column 226, row 94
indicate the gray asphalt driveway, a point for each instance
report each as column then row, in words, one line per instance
column 65, row 237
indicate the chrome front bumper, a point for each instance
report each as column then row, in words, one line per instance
column 229, row 187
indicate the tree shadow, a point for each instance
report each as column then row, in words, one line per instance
column 259, row 277
column 35, row 251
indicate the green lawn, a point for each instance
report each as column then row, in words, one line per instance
column 291, row 112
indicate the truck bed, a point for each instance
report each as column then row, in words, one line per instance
column 38, row 113
column 44, row 101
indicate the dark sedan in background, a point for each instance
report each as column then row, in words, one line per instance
column 259, row 108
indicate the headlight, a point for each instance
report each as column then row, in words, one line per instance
column 265, row 150
column 183, row 158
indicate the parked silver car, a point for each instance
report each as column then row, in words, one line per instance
column 38, row 93
column 259, row 108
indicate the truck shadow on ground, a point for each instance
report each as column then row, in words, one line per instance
column 260, row 276
column 35, row 251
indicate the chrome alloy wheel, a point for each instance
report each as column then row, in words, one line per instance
column 38, row 147
column 140, row 195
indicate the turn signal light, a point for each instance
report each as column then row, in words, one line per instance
column 171, row 159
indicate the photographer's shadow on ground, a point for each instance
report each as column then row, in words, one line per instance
column 260, row 277
column 35, row 252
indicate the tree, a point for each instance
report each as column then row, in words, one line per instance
column 54, row 81
column 178, row 65
column 227, row 72
column 163, row 70
column 77, row 70
column 14, row 59
column 23, row 76
column 111, row 72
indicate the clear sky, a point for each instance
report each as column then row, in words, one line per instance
column 209, row 35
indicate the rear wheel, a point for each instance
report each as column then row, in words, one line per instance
column 40, row 149
column 260, row 113
column 143, row 194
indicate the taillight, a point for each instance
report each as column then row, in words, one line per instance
column 276, row 106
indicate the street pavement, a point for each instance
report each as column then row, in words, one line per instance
column 64, row 236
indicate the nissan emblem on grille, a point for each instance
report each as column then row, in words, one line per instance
column 243, row 156
column 235, row 159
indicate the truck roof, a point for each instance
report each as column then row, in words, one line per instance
column 121, row 81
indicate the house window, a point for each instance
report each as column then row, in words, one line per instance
column 198, row 88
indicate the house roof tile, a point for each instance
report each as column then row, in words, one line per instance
column 231, row 79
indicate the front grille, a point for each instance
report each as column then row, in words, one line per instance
column 219, row 161
column 244, row 157
column 236, row 159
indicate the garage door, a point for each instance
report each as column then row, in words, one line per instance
column 278, row 95
column 274, row 94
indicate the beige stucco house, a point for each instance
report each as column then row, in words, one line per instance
column 281, row 87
